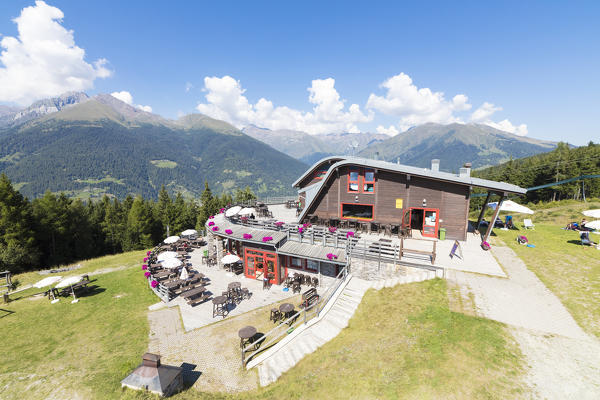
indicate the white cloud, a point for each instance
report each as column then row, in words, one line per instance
column 188, row 86
column 483, row 116
column 392, row 130
column 144, row 108
column 44, row 60
column 416, row 106
column 126, row 97
column 225, row 100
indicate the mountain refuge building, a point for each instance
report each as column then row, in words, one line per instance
column 373, row 194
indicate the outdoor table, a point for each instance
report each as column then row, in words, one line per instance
column 234, row 285
column 287, row 309
column 174, row 284
column 219, row 307
column 245, row 334
column 190, row 294
column 163, row 274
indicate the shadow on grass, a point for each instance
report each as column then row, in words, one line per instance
column 8, row 312
column 91, row 291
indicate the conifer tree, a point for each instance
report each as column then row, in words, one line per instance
column 18, row 250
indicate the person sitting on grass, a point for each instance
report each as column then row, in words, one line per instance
column 585, row 239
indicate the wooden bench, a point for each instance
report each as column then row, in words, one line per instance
column 309, row 298
column 431, row 253
column 195, row 301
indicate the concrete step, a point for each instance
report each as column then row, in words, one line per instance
column 341, row 315
column 349, row 299
column 344, row 308
column 336, row 320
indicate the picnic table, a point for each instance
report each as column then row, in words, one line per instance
column 174, row 284
column 190, row 294
column 163, row 274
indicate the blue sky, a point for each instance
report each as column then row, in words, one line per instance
column 535, row 65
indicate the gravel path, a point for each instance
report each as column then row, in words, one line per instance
column 564, row 361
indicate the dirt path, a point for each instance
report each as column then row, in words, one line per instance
column 564, row 361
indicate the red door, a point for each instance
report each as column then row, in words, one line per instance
column 430, row 222
column 259, row 264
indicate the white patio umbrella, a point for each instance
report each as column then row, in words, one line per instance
column 165, row 255
column 592, row 213
column 230, row 258
column 47, row 281
column 171, row 263
column 232, row 211
column 247, row 211
column 70, row 281
column 184, row 274
column 51, row 280
column 511, row 206
column 189, row 232
column 171, row 239
column 593, row 224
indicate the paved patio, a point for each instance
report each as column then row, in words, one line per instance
column 218, row 279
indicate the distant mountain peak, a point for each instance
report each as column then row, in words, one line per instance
column 43, row 107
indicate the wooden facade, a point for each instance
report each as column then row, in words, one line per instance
column 394, row 193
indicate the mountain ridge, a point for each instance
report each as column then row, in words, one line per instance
column 454, row 144
column 104, row 146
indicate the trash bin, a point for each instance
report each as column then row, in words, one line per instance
column 442, row 233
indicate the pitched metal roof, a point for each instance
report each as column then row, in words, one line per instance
column 312, row 251
column 406, row 169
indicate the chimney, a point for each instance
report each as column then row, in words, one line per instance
column 151, row 360
column 465, row 170
column 435, row 165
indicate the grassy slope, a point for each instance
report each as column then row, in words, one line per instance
column 570, row 271
column 80, row 350
column 402, row 342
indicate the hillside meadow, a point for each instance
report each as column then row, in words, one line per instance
column 403, row 342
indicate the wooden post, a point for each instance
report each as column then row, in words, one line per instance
column 491, row 225
column 487, row 199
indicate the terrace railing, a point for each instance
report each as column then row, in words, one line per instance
column 373, row 250
column 299, row 318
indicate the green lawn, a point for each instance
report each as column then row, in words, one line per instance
column 569, row 270
column 78, row 350
column 403, row 342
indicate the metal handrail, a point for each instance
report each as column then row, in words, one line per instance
column 317, row 306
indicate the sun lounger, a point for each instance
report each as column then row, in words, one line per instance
column 527, row 224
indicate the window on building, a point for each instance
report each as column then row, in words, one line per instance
column 320, row 173
column 353, row 180
column 312, row 265
column 357, row 211
column 369, row 181
column 296, row 262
